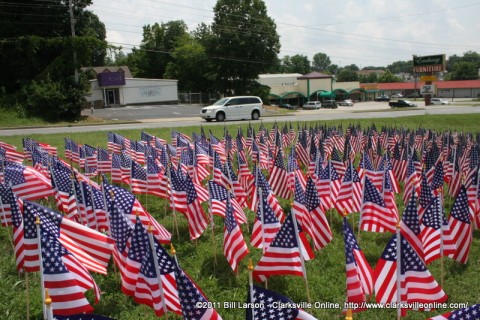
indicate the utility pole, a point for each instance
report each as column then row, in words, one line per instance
column 72, row 26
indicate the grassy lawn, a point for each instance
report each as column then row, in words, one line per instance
column 203, row 259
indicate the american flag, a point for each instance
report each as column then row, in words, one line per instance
column 337, row 163
column 416, row 282
column 231, row 181
column 184, row 199
column 12, row 215
column 129, row 206
column 300, row 210
column 245, row 177
column 468, row 313
column 91, row 247
column 104, row 162
column 375, row 216
column 412, row 180
column 265, row 304
column 157, row 179
column 126, row 163
column 278, row 177
column 64, row 276
column 321, row 233
column 218, row 197
column 190, row 297
column 328, row 186
column 265, row 226
column 456, row 180
column 358, row 270
column 294, row 171
column 62, row 185
column 91, row 163
column 138, row 180
column 426, row 196
column 350, row 194
column 267, row 194
column 285, row 255
column 27, row 182
column 217, row 168
column 10, row 155
column 234, row 246
column 116, row 168
column 410, row 226
column 435, row 233
column 153, row 287
column 366, row 168
column 460, row 227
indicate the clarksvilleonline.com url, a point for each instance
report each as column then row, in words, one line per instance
column 405, row 305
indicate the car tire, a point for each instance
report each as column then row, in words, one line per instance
column 220, row 117
column 255, row 115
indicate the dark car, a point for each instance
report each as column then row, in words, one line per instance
column 383, row 98
column 331, row 104
column 286, row 106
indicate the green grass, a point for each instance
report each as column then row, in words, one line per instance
column 326, row 273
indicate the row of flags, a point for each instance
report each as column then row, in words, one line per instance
column 332, row 182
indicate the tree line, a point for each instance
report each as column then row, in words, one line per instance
column 37, row 55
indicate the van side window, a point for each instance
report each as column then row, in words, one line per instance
column 232, row 102
column 243, row 100
column 254, row 100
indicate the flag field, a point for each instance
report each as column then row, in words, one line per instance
column 205, row 263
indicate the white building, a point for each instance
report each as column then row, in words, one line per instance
column 115, row 86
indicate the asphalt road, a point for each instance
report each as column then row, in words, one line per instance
column 171, row 116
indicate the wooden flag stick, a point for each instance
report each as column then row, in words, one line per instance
column 4, row 216
column 301, row 256
column 157, row 270
column 250, row 284
column 349, row 315
column 212, row 225
column 27, row 297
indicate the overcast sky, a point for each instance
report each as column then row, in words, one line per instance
column 362, row 32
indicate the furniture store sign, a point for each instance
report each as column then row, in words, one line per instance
column 434, row 63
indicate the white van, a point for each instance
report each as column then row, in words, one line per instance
column 234, row 108
column 312, row 105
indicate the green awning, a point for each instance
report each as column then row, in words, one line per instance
column 326, row 94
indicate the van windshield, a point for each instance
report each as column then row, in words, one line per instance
column 220, row 102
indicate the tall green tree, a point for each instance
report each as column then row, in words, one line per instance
column 388, row 77
column 321, row 62
column 154, row 54
column 190, row 65
column 464, row 70
column 37, row 52
column 296, row 64
column 245, row 44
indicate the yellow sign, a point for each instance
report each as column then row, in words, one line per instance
column 428, row 78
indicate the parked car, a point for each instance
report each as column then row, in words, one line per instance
column 397, row 95
column 439, row 101
column 414, row 95
column 346, row 103
column 401, row 103
column 234, row 108
column 330, row 104
column 383, row 98
column 287, row 106
column 312, row 105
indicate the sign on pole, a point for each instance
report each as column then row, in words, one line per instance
column 434, row 63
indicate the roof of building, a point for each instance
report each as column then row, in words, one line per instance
column 278, row 75
column 315, row 75
column 103, row 69
column 452, row 84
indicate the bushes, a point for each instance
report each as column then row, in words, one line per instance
column 54, row 100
